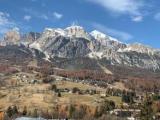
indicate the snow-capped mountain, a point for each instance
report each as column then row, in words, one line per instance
column 98, row 35
column 74, row 41
column 137, row 47
column 77, row 31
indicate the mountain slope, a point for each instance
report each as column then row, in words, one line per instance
column 19, row 55
column 75, row 42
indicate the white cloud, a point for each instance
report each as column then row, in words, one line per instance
column 5, row 22
column 137, row 19
column 57, row 15
column 157, row 16
column 36, row 14
column 27, row 17
column 16, row 29
column 43, row 16
column 113, row 32
column 128, row 7
column 4, row 18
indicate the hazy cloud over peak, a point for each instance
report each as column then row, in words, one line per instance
column 129, row 7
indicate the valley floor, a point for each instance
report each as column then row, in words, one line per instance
column 42, row 96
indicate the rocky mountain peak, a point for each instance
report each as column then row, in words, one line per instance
column 75, row 27
column 75, row 42
column 98, row 35
column 76, row 31
column 140, row 48
column 51, row 32
column 30, row 37
column 12, row 36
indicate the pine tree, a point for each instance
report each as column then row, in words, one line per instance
column 71, row 110
column 146, row 109
column 24, row 110
column 15, row 110
column 97, row 113
column 35, row 113
column 59, row 94
column 9, row 111
column 54, row 87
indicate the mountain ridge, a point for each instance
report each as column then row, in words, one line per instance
column 75, row 41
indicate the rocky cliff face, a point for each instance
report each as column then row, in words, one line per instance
column 30, row 37
column 70, row 42
column 67, row 47
column 74, row 42
column 12, row 37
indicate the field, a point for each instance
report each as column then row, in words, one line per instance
column 39, row 96
column 20, row 91
column 70, row 85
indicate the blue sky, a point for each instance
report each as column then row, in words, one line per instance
column 128, row 20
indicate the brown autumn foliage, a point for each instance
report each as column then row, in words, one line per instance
column 140, row 84
column 6, row 69
column 135, row 79
column 1, row 115
column 84, row 74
